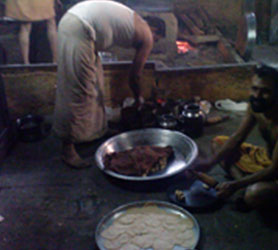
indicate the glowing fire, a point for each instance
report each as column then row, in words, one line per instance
column 183, row 47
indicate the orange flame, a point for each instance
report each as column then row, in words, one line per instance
column 183, row 47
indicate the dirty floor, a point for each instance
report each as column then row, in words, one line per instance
column 46, row 205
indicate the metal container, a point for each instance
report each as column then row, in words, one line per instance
column 167, row 121
column 168, row 207
column 246, row 35
column 192, row 120
column 31, row 128
column 185, row 150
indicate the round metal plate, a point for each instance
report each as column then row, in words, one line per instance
column 246, row 35
column 197, row 197
column 168, row 207
column 185, row 150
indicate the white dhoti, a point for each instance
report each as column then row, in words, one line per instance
column 79, row 114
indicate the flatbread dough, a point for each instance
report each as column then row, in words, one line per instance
column 149, row 227
column 127, row 219
column 130, row 246
column 143, row 241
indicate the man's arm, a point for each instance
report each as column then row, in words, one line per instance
column 143, row 43
column 235, row 140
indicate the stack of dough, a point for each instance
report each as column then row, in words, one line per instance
column 149, row 227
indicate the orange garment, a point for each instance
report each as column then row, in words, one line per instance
column 252, row 158
column 30, row 10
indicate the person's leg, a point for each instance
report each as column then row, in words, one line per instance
column 72, row 158
column 262, row 194
column 24, row 41
column 229, row 164
column 52, row 37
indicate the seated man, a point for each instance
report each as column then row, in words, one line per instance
column 255, row 168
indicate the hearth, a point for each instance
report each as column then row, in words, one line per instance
column 192, row 38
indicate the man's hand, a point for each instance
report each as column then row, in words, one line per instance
column 226, row 189
column 139, row 102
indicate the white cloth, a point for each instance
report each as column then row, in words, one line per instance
column 229, row 105
column 110, row 23
column 79, row 114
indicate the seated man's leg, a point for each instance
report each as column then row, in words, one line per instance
column 52, row 37
column 24, row 41
column 262, row 194
column 247, row 159
column 229, row 164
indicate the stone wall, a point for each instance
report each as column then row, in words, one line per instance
column 32, row 90
column 224, row 13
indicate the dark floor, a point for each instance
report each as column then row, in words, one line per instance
column 46, row 205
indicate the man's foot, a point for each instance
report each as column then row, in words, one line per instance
column 76, row 162
column 72, row 158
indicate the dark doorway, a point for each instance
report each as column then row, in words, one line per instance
column 7, row 136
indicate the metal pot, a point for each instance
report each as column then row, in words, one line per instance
column 31, row 128
column 192, row 120
column 167, row 121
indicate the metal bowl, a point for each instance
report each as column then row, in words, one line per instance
column 185, row 150
column 167, row 121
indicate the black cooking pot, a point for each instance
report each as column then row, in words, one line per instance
column 192, row 120
column 31, row 128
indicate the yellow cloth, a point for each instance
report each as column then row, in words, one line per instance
column 252, row 158
column 30, row 10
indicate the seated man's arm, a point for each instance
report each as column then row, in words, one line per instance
column 234, row 141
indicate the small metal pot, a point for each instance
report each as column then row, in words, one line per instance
column 31, row 128
column 167, row 121
column 192, row 120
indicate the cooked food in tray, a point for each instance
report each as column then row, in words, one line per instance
column 149, row 227
column 139, row 161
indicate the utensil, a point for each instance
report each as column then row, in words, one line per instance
column 167, row 121
column 193, row 119
column 197, row 196
column 31, row 128
column 246, row 35
column 207, row 179
column 107, row 220
column 185, row 150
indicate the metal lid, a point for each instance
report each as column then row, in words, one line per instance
column 246, row 35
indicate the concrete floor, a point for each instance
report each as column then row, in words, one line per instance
column 48, row 206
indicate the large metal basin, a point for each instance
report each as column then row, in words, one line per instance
column 185, row 150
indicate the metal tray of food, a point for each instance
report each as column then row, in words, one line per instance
column 166, row 209
column 185, row 150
